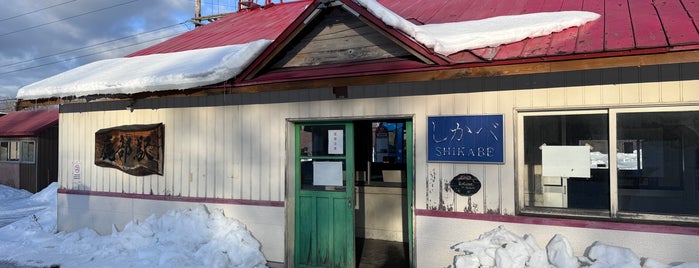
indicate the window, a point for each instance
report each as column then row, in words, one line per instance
column 651, row 171
column 17, row 151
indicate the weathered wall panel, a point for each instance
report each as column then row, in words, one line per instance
column 236, row 151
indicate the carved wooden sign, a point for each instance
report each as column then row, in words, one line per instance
column 134, row 149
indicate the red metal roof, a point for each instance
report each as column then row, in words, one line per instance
column 625, row 27
column 27, row 123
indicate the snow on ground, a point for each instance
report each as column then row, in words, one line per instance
column 502, row 248
column 202, row 238
column 185, row 238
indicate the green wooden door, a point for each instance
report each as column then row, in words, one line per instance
column 324, row 214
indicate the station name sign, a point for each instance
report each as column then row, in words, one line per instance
column 465, row 138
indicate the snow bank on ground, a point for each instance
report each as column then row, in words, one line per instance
column 186, row 238
column 449, row 38
column 502, row 248
column 18, row 204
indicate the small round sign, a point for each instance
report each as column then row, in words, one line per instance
column 465, row 184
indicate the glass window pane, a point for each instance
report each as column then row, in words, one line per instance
column 658, row 162
column 4, row 150
column 559, row 191
column 13, row 154
column 322, row 141
column 28, row 151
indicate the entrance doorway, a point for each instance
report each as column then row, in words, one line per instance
column 354, row 194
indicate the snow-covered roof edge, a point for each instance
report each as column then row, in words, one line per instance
column 156, row 72
column 449, row 38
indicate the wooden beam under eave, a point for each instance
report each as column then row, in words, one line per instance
column 430, row 74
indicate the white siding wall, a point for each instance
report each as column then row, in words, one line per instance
column 237, row 151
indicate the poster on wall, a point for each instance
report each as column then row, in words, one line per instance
column 465, row 138
column 134, row 149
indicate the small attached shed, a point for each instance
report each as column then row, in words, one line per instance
column 29, row 149
column 321, row 122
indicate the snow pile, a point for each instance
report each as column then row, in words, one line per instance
column 187, row 238
column 168, row 71
column 449, row 38
column 19, row 204
column 502, row 248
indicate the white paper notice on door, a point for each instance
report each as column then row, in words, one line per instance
column 335, row 141
column 327, row 173
column 565, row 161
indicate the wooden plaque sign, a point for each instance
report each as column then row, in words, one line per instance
column 134, row 149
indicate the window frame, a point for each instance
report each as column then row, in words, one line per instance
column 613, row 213
column 20, row 144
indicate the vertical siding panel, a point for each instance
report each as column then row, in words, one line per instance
column 253, row 128
column 420, row 154
column 160, row 180
column 630, row 92
column 610, row 86
column 507, row 170
column 189, row 161
column 238, row 148
column 448, row 198
column 227, row 191
column 201, row 150
column 492, row 171
column 173, row 138
column 689, row 84
column 593, row 92
column 690, row 90
column 246, row 154
column 523, row 98
column 267, row 118
column 461, row 107
column 434, row 175
column 211, row 144
column 66, row 122
column 168, row 152
column 650, row 91
column 539, row 98
column 670, row 87
column 220, row 151
column 557, row 97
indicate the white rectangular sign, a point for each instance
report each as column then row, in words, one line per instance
column 327, row 173
column 565, row 161
column 335, row 141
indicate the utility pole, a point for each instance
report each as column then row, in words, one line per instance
column 199, row 20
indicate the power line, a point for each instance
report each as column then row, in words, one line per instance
column 86, row 55
column 35, row 11
column 93, row 45
column 71, row 17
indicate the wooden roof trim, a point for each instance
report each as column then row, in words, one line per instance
column 439, row 73
column 414, row 48
column 279, row 43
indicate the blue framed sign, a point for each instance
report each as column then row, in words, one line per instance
column 465, row 138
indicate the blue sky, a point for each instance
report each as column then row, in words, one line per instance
column 39, row 39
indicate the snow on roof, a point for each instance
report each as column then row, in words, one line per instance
column 449, row 38
column 155, row 72
column 201, row 67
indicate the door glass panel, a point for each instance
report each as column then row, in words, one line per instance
column 322, row 141
column 323, row 175
column 575, row 132
column 658, row 162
